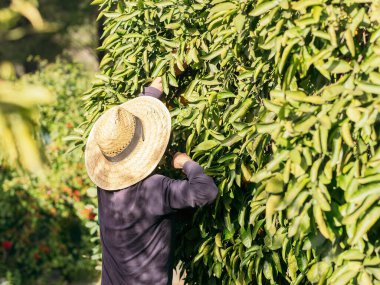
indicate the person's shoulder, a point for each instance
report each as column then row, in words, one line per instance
column 154, row 179
column 153, row 185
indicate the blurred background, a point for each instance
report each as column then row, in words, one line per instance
column 48, row 228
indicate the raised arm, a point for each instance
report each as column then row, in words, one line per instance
column 170, row 195
column 154, row 90
column 197, row 191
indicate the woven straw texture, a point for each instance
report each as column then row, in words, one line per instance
column 115, row 131
column 153, row 126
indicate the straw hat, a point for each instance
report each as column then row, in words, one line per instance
column 127, row 142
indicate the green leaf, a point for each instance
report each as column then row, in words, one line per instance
column 227, row 157
column 263, row 8
column 241, row 111
column 275, row 185
column 222, row 7
column 232, row 140
column 239, row 22
column 91, row 192
column 246, row 237
column 303, row 4
column 205, row 145
column 338, row 66
column 317, row 270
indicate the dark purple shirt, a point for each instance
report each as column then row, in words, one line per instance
column 136, row 225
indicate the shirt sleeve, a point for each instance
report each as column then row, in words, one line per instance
column 197, row 191
column 151, row 91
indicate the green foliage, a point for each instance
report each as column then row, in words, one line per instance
column 19, row 108
column 32, row 27
column 46, row 28
column 18, row 102
column 43, row 221
column 279, row 102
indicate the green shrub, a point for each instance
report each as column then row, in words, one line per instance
column 43, row 233
column 279, row 102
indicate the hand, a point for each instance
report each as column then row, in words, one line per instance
column 179, row 160
column 157, row 83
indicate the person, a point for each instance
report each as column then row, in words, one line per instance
column 136, row 208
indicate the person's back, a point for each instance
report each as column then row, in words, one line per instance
column 135, row 211
column 136, row 225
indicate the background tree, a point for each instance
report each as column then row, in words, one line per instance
column 18, row 102
column 43, row 218
column 42, row 29
column 47, row 233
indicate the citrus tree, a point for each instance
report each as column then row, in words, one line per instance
column 279, row 102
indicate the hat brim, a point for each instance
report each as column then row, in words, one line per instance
column 115, row 175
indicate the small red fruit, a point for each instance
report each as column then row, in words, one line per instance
column 67, row 190
column 91, row 216
column 44, row 248
column 6, row 244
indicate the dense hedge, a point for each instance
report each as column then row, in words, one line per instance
column 279, row 102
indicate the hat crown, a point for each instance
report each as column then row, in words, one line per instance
column 115, row 131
